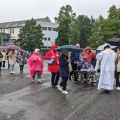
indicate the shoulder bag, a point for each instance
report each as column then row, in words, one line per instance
column 69, row 66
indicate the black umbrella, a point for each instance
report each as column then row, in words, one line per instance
column 114, row 41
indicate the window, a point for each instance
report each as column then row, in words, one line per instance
column 11, row 31
column 48, row 39
column 44, row 28
column 54, row 29
column 49, row 28
column 45, row 38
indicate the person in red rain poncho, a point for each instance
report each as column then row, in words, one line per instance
column 54, row 67
column 88, row 54
column 36, row 65
column 93, row 59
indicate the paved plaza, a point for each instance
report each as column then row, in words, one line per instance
column 22, row 100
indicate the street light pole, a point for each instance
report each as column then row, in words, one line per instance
column 69, row 40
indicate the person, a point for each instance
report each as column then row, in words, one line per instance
column 1, row 56
column 54, row 67
column 73, row 59
column 21, row 60
column 82, row 64
column 117, row 70
column 36, row 64
column 8, row 58
column 12, row 60
column 107, row 66
column 88, row 54
column 93, row 58
column 4, row 58
column 64, row 73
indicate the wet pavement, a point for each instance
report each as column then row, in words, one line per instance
column 22, row 100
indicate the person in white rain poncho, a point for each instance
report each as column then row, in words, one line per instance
column 107, row 66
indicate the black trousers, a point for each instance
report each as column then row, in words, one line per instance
column 3, row 64
column 74, row 67
column 21, row 68
column 54, row 79
column 64, row 82
column 117, row 78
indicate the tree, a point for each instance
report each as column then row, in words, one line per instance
column 97, row 32
column 65, row 19
column 85, row 26
column 31, row 36
column 74, row 38
column 106, row 29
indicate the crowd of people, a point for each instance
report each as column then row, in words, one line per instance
column 59, row 65
column 13, row 57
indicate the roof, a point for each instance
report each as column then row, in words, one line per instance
column 15, row 24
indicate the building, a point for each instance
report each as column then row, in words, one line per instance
column 48, row 28
column 5, row 39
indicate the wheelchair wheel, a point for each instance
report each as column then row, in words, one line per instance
column 76, row 76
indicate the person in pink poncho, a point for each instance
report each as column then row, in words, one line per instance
column 36, row 65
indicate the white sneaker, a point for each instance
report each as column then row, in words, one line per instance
column 59, row 88
column 13, row 72
column 64, row 92
column 118, row 88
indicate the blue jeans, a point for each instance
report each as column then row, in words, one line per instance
column 11, row 67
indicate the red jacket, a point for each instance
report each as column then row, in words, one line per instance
column 87, row 55
column 94, row 56
column 55, row 66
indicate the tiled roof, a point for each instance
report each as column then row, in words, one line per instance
column 20, row 23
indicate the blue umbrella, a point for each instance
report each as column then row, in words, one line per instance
column 70, row 48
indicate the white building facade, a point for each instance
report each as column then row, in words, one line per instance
column 48, row 28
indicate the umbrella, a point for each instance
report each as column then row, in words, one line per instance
column 13, row 47
column 101, row 47
column 70, row 48
column 25, row 53
column 114, row 41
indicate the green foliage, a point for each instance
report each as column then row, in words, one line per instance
column 85, row 26
column 74, row 32
column 65, row 20
column 105, row 29
column 31, row 36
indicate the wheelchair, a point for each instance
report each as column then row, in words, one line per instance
column 85, row 76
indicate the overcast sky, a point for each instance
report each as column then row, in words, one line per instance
column 14, row 10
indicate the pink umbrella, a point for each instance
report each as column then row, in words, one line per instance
column 13, row 47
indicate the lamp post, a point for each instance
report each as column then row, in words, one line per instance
column 69, row 39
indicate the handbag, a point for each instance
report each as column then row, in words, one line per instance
column 69, row 66
column 50, row 61
column 24, row 62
